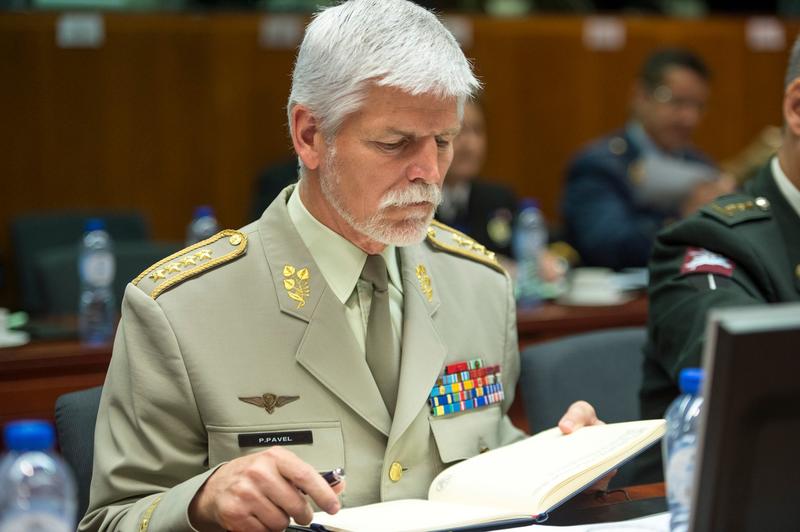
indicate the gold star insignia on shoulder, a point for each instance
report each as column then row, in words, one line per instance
column 269, row 401
column 191, row 261
column 736, row 208
column 443, row 237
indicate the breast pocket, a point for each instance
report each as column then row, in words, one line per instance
column 318, row 443
column 463, row 435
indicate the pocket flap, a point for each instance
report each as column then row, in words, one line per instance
column 463, row 435
column 319, row 443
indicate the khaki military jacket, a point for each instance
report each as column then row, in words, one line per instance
column 238, row 343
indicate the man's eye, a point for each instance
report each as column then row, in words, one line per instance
column 391, row 146
column 442, row 143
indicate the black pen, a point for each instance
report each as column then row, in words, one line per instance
column 333, row 477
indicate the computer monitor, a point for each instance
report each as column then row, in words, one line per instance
column 748, row 470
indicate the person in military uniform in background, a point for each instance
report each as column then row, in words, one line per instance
column 482, row 209
column 741, row 249
column 622, row 189
column 485, row 210
column 313, row 338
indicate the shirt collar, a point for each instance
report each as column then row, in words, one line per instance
column 339, row 261
column 786, row 187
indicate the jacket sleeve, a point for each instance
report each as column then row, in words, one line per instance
column 150, row 449
column 603, row 223
column 680, row 302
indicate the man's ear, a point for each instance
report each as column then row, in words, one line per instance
column 791, row 107
column 307, row 138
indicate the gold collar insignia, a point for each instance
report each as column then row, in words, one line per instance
column 296, row 284
column 425, row 282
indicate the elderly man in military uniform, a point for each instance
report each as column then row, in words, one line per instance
column 741, row 249
column 622, row 189
column 317, row 337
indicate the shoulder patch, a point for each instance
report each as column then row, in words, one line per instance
column 701, row 260
column 191, row 261
column 444, row 237
column 736, row 208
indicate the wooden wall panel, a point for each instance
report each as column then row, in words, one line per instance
column 181, row 109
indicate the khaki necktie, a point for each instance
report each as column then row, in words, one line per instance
column 382, row 358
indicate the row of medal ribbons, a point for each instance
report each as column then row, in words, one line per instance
column 464, row 386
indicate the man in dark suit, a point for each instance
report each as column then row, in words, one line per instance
column 482, row 209
column 622, row 189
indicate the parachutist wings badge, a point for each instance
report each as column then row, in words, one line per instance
column 270, row 401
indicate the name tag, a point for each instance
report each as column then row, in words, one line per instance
column 268, row 439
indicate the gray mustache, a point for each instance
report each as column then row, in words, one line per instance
column 423, row 193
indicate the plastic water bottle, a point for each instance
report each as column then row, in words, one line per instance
column 204, row 225
column 680, row 446
column 529, row 238
column 96, row 266
column 37, row 489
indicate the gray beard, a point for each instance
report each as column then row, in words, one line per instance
column 376, row 227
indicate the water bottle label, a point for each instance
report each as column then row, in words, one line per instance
column 35, row 522
column 98, row 269
column 680, row 475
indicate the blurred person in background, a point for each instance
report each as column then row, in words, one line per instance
column 480, row 208
column 483, row 209
column 622, row 189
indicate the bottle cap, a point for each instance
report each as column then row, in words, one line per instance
column 203, row 210
column 29, row 435
column 690, row 380
column 525, row 203
column 95, row 224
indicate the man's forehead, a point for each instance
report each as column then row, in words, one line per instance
column 392, row 110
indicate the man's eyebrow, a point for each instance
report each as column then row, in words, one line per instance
column 452, row 131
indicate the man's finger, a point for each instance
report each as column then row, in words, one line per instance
column 602, row 484
column 579, row 414
column 270, row 515
column 308, row 479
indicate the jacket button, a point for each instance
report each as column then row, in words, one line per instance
column 395, row 471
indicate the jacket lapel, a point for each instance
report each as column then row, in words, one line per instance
column 423, row 352
column 339, row 364
column 327, row 349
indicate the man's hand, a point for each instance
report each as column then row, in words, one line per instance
column 582, row 414
column 261, row 492
column 579, row 414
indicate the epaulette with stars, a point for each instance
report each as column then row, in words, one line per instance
column 444, row 237
column 191, row 261
column 736, row 208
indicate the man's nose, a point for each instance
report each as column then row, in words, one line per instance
column 425, row 163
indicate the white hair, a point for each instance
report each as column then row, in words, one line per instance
column 393, row 43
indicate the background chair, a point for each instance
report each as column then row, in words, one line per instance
column 603, row 368
column 57, row 272
column 32, row 234
column 76, row 413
